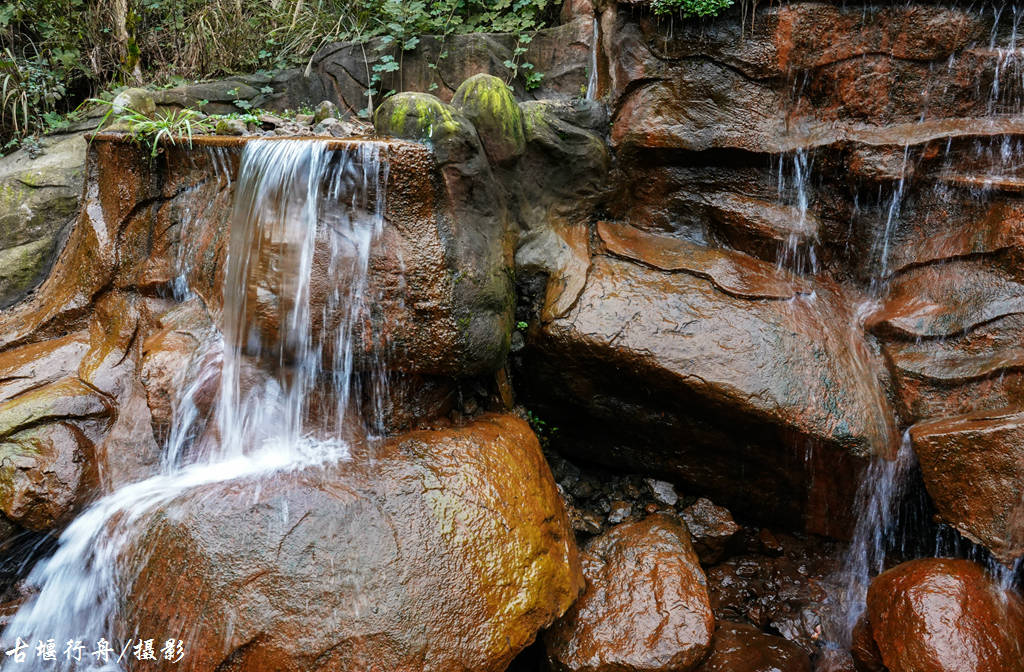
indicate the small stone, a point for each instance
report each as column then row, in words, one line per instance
column 711, row 527
column 619, row 512
column 584, row 521
column 770, row 543
column 582, row 489
column 230, row 127
column 663, row 491
column 325, row 110
column 304, row 119
column 271, row 121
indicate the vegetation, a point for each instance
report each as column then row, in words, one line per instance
column 690, row 8
column 149, row 130
column 56, row 53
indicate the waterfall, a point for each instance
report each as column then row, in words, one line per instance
column 294, row 202
column 877, row 501
column 592, row 75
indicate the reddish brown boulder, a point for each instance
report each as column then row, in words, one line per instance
column 973, row 468
column 645, row 607
column 942, row 615
column 447, row 552
column 738, row 647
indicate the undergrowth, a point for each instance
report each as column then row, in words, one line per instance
column 56, row 53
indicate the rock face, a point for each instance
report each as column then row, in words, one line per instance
column 40, row 199
column 743, row 648
column 973, row 467
column 448, row 552
column 669, row 350
column 645, row 607
column 935, row 615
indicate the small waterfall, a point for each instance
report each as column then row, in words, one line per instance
column 592, row 75
column 290, row 197
column 877, row 501
column 797, row 253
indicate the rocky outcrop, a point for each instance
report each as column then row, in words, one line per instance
column 986, row 451
column 937, row 615
column 390, row 564
column 645, row 607
column 672, row 346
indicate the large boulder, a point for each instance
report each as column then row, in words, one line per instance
column 645, row 608
column 703, row 363
column 447, row 551
column 942, row 615
column 973, row 468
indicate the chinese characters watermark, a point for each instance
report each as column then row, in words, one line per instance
column 101, row 651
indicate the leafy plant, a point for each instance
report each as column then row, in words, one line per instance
column 690, row 8
column 545, row 433
column 170, row 126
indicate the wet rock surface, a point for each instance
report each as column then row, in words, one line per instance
column 743, row 648
column 642, row 350
column 389, row 566
column 645, row 606
column 985, row 450
column 760, row 252
column 938, row 615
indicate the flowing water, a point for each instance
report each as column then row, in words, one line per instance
column 882, row 527
column 591, row 93
column 289, row 196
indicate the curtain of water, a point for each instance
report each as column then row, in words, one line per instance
column 289, row 195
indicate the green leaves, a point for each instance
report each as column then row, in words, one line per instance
column 690, row 8
column 167, row 126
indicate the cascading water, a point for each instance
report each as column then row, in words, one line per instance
column 289, row 199
column 885, row 484
column 591, row 93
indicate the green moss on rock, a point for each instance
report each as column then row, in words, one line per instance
column 487, row 102
column 417, row 116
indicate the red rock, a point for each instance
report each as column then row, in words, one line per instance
column 973, row 468
column 448, row 551
column 940, row 615
column 743, row 648
column 645, row 607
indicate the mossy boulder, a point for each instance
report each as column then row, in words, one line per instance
column 487, row 102
column 423, row 118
